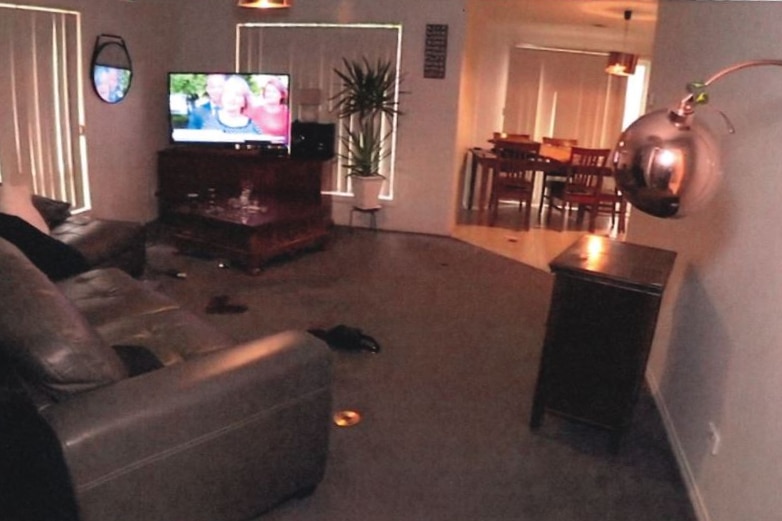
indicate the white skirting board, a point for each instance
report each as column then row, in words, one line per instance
column 701, row 512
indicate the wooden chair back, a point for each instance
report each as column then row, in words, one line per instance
column 514, row 179
column 519, row 171
column 582, row 188
column 584, row 183
column 589, row 156
column 513, row 163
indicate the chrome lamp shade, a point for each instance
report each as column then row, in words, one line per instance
column 666, row 163
column 666, row 166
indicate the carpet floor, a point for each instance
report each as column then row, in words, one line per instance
column 445, row 404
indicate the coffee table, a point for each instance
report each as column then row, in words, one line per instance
column 250, row 236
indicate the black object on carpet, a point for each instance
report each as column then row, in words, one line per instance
column 347, row 338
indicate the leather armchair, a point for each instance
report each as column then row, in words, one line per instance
column 220, row 437
column 214, row 431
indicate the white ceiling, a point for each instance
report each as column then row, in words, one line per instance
column 577, row 24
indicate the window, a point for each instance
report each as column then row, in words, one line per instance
column 566, row 94
column 310, row 53
column 635, row 98
column 41, row 88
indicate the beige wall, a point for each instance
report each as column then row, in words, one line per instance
column 487, row 54
column 122, row 138
column 718, row 351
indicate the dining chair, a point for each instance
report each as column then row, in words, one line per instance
column 580, row 156
column 583, row 187
column 513, row 178
column 562, row 147
column 613, row 203
column 589, row 156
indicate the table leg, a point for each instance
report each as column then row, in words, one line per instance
column 473, row 172
column 372, row 217
column 484, row 191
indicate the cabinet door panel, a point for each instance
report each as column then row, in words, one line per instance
column 597, row 344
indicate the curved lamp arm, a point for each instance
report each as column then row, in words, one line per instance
column 697, row 90
column 666, row 163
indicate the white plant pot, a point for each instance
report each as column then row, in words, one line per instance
column 366, row 192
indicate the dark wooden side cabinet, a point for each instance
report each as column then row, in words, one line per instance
column 198, row 190
column 601, row 323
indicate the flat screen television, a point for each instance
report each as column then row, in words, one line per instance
column 229, row 109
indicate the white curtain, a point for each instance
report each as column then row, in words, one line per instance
column 564, row 95
column 40, row 90
column 310, row 53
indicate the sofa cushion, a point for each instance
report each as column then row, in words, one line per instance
column 53, row 212
column 173, row 336
column 104, row 295
column 55, row 258
column 46, row 337
column 17, row 200
column 124, row 311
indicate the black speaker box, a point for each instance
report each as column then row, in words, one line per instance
column 312, row 140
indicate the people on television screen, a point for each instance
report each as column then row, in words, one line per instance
column 232, row 115
column 270, row 111
column 207, row 108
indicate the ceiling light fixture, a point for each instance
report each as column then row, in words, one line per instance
column 622, row 63
column 264, row 4
column 666, row 163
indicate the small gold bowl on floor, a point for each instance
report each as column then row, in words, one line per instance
column 346, row 418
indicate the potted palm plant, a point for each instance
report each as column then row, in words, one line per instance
column 366, row 100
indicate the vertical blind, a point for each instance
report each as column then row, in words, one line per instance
column 40, row 89
column 310, row 53
column 565, row 95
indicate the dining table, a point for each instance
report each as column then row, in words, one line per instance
column 554, row 159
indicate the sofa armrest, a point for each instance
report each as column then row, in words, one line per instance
column 105, row 243
column 238, row 429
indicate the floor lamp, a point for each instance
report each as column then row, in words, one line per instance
column 666, row 163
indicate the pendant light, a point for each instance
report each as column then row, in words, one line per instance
column 622, row 63
column 264, row 4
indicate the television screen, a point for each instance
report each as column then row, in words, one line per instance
column 229, row 108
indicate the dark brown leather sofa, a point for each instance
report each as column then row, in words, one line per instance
column 207, row 431
column 103, row 242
